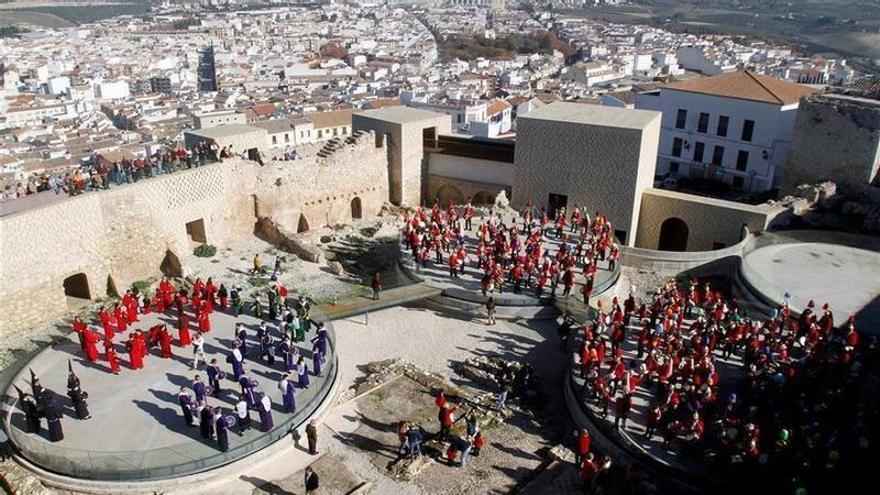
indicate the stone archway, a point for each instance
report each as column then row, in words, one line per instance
column 356, row 208
column 77, row 286
column 170, row 266
column 112, row 291
column 673, row 235
column 447, row 192
column 483, row 198
column 303, row 224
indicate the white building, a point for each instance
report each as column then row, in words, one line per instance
column 112, row 90
column 58, row 85
column 734, row 127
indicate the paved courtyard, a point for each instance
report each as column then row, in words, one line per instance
column 136, row 420
column 846, row 277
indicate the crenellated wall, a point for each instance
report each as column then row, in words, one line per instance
column 125, row 233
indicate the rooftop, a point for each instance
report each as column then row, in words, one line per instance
column 746, row 85
column 401, row 114
column 577, row 113
column 226, row 130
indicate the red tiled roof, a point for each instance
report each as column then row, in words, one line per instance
column 746, row 85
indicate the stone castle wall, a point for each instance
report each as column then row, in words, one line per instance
column 709, row 221
column 124, row 234
column 837, row 138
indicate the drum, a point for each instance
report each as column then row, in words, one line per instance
column 221, row 375
column 229, row 421
column 85, row 395
column 255, row 383
column 209, row 390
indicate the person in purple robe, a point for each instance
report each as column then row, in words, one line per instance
column 221, row 424
column 236, row 358
column 285, row 350
column 241, row 334
column 247, row 389
column 287, row 394
column 186, row 405
column 302, row 369
column 214, row 375
column 320, row 339
column 265, row 410
column 199, row 389
column 266, row 348
column 317, row 360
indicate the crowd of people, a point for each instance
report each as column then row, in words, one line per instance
column 805, row 405
column 283, row 328
column 99, row 174
column 512, row 255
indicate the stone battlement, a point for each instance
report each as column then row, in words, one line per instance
column 99, row 243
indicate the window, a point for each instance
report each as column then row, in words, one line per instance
column 742, row 160
column 286, row 137
column 681, row 118
column 344, row 130
column 274, row 139
column 335, row 131
column 320, row 134
column 718, row 155
column 737, row 182
column 673, row 167
column 676, row 147
column 748, row 130
column 723, row 120
column 699, row 149
column 703, row 124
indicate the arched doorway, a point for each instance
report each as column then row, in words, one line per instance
column 170, row 266
column 673, row 235
column 303, row 225
column 77, row 286
column 483, row 198
column 111, row 287
column 356, row 211
column 447, row 192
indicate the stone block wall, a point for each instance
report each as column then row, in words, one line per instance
column 836, row 138
column 708, row 220
column 605, row 168
column 125, row 233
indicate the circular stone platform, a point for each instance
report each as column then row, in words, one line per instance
column 846, row 277
column 137, row 431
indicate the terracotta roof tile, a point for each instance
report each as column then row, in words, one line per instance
column 746, row 85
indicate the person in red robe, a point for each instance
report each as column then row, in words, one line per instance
column 147, row 307
column 106, row 322
column 90, row 342
column 121, row 319
column 132, row 311
column 183, row 330
column 153, row 336
column 160, row 303
column 110, row 355
column 204, row 320
column 80, row 327
column 134, row 352
column 165, row 342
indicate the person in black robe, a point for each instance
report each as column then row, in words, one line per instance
column 264, row 406
column 206, row 422
column 77, row 396
column 29, row 407
column 186, row 405
column 221, row 424
column 39, row 392
column 53, row 417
